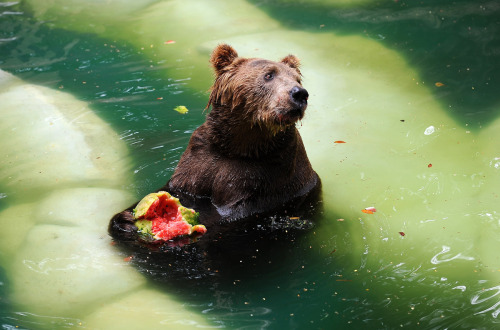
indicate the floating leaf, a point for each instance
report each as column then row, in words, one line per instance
column 402, row 233
column 181, row 109
column 339, row 141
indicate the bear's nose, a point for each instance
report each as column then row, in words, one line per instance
column 299, row 95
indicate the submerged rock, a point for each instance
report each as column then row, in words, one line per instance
column 63, row 170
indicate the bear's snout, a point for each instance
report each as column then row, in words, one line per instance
column 299, row 96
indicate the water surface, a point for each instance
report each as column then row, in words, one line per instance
column 412, row 90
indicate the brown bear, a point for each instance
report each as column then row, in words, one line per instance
column 248, row 157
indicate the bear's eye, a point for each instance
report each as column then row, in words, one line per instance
column 269, row 76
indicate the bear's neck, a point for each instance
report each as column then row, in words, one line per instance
column 235, row 137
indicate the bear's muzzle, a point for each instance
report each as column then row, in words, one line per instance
column 299, row 96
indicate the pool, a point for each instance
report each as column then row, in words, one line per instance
column 87, row 99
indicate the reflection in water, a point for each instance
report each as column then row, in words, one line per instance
column 446, row 249
column 43, row 321
column 489, row 299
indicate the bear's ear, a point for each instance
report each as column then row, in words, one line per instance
column 222, row 56
column 292, row 61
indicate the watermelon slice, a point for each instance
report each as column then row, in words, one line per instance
column 161, row 216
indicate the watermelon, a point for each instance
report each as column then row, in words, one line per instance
column 160, row 216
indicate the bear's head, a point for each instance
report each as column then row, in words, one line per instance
column 266, row 93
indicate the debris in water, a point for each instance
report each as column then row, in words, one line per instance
column 429, row 130
column 369, row 210
column 181, row 109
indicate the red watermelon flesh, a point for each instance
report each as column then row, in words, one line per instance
column 162, row 216
column 167, row 230
column 167, row 221
column 164, row 208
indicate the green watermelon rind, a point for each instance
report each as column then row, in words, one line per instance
column 142, row 207
column 144, row 226
column 144, row 230
column 189, row 215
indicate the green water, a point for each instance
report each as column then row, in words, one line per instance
column 332, row 278
column 452, row 42
column 128, row 90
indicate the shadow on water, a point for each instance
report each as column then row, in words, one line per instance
column 454, row 45
column 221, row 273
column 231, row 248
